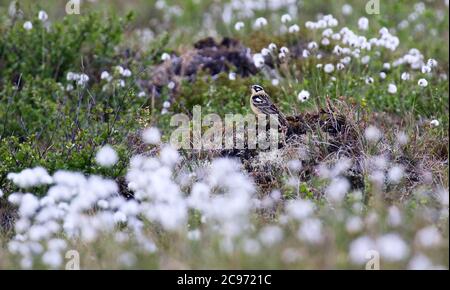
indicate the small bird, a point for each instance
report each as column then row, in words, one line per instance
column 261, row 104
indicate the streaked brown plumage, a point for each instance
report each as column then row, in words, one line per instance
column 261, row 103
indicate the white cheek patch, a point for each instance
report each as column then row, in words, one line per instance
column 257, row 100
column 257, row 88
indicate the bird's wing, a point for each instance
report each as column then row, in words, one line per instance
column 266, row 106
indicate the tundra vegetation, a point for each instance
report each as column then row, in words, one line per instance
column 88, row 173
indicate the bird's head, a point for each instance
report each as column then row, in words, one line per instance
column 256, row 89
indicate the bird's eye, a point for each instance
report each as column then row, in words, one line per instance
column 257, row 88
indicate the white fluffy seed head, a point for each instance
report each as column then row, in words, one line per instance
column 28, row 25
column 328, row 68
column 42, row 16
column 434, row 123
column 392, row 89
column 294, row 28
column 165, row 56
column 422, row 83
column 260, row 22
column 286, row 18
column 363, row 23
column 151, row 136
column 106, row 156
column 372, row 134
column 303, row 96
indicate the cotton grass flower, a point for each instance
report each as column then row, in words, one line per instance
column 106, row 156
column 392, row 89
column 328, row 68
column 83, row 79
column 120, row 83
column 360, row 248
column 395, row 174
column 369, row 80
column 265, row 51
column 432, row 63
column 336, row 36
column 425, row 69
column 392, row 247
column 402, row 138
column 306, row 53
column 151, row 136
column 284, row 50
column 15, row 198
column 28, row 25
column 42, row 16
column 104, row 75
column 394, row 216
column 372, row 134
column 165, row 56
column 70, row 76
column 28, row 205
column 299, row 209
column 270, row 235
column 126, row 73
column 285, row 18
column 166, row 104
column 69, row 88
column 311, row 231
column 119, row 69
column 258, row 60
column 260, row 22
column 442, row 196
column 239, row 25
column 422, row 83
column 30, row 177
column 310, row 25
column 325, row 41
column 169, row 156
column 303, row 96
column 327, row 32
column 294, row 28
column 405, row 76
column 120, row 217
column 337, row 189
column 354, row 224
column 347, row 9
column 294, row 165
column 53, row 259
column 272, row 46
column 428, row 237
column 420, row 262
column 434, row 123
column 103, row 204
column 312, row 45
column 337, row 50
column 363, row 23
